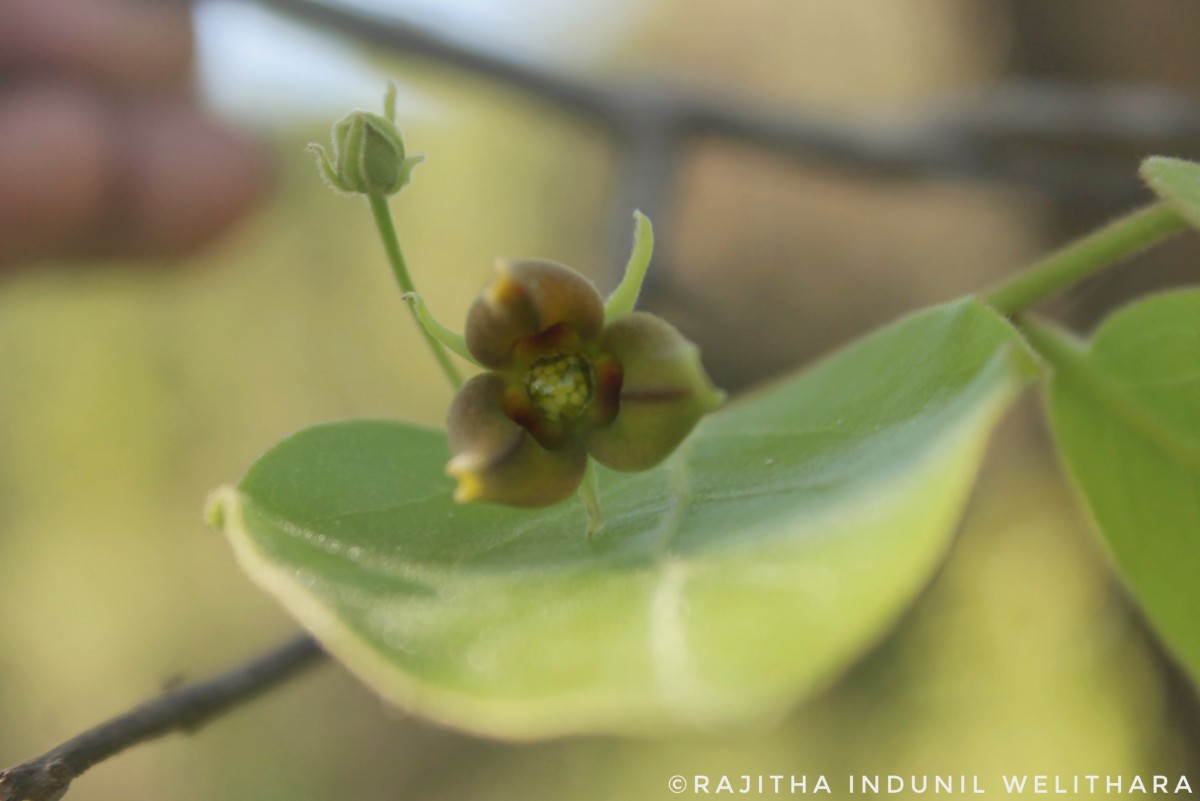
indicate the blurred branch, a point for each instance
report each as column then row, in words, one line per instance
column 48, row 777
column 1078, row 144
column 1053, row 137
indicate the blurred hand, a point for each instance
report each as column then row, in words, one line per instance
column 102, row 151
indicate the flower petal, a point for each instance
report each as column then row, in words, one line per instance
column 526, row 298
column 495, row 459
column 664, row 393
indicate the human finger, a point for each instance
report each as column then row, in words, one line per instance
column 124, row 46
column 84, row 178
column 184, row 179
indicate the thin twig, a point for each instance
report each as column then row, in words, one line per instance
column 569, row 92
column 1075, row 143
column 1062, row 138
column 47, row 777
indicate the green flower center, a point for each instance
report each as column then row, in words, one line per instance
column 560, row 386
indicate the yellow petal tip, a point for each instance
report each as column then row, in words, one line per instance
column 470, row 484
column 504, row 289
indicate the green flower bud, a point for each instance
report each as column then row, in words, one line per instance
column 368, row 154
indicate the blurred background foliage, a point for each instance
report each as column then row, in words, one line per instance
column 126, row 394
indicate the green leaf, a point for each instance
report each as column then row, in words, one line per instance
column 1177, row 182
column 1126, row 415
column 764, row 556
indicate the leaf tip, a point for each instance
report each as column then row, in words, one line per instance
column 214, row 507
column 1176, row 181
column 1152, row 164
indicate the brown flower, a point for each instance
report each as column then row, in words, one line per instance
column 563, row 384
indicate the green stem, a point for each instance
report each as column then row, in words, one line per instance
column 1081, row 258
column 387, row 232
column 589, row 493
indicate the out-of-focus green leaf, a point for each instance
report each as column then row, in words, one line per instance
column 1177, row 182
column 1126, row 414
column 783, row 538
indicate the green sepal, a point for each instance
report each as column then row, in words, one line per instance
column 624, row 297
column 455, row 343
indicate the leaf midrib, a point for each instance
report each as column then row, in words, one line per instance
column 1072, row 365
